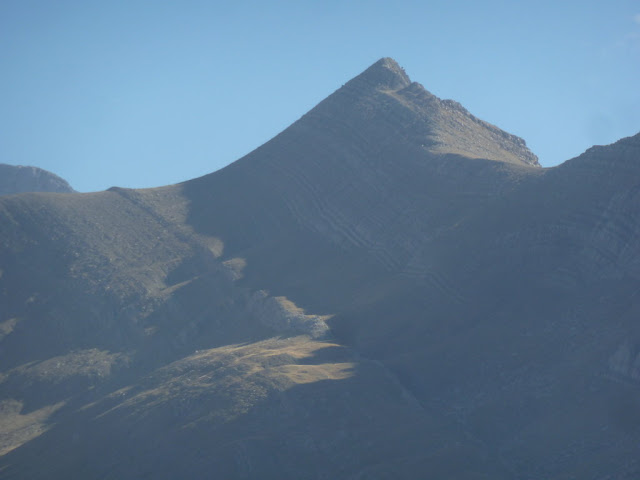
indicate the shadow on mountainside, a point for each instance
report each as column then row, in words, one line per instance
column 282, row 421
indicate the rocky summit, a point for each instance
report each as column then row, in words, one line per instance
column 389, row 288
column 19, row 179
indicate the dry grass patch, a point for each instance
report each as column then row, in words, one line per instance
column 17, row 429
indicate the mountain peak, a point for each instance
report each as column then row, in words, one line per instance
column 382, row 104
column 384, row 74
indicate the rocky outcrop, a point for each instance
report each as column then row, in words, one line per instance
column 285, row 317
column 19, row 179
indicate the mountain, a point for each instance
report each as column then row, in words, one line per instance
column 19, row 179
column 389, row 288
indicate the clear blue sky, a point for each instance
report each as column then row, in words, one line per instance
column 146, row 93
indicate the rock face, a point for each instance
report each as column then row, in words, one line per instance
column 19, row 179
column 390, row 288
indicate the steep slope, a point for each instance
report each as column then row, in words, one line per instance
column 19, row 179
column 368, row 170
column 390, row 288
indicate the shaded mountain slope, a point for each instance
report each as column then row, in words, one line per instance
column 20, row 179
column 390, row 288
column 543, row 348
